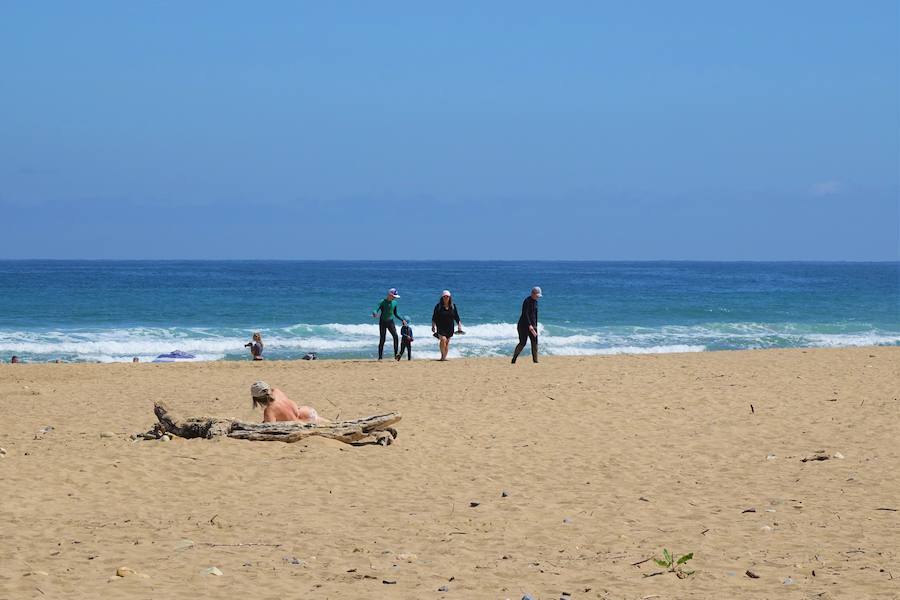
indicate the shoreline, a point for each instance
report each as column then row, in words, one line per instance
column 580, row 469
column 543, row 357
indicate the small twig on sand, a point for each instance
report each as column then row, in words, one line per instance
column 640, row 562
column 213, row 520
column 890, row 509
column 654, row 574
column 815, row 457
column 752, row 411
column 243, row 544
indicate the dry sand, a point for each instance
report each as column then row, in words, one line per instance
column 606, row 461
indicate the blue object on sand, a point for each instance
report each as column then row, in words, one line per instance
column 175, row 356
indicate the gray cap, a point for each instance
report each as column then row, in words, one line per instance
column 260, row 389
column 537, row 290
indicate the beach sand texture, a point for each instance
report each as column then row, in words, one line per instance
column 605, row 461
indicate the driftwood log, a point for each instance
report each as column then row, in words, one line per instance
column 376, row 428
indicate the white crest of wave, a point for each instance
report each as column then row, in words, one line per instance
column 486, row 339
column 581, row 351
column 353, row 328
column 839, row 340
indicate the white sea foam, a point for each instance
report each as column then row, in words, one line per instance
column 842, row 340
column 580, row 351
column 360, row 340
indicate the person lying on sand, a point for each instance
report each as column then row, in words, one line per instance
column 278, row 407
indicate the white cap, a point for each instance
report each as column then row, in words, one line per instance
column 445, row 293
column 260, row 389
column 537, row 290
column 393, row 292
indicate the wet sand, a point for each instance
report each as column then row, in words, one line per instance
column 605, row 461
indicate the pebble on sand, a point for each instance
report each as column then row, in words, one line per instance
column 443, row 588
column 473, row 503
column 838, row 456
column 2, row 451
column 213, row 571
column 107, row 434
column 407, row 557
column 165, row 438
column 504, row 494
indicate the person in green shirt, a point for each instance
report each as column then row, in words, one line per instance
column 388, row 310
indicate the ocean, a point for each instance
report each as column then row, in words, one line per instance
column 108, row 311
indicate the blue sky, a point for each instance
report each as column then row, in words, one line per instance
column 500, row 130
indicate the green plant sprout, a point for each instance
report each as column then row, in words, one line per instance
column 674, row 565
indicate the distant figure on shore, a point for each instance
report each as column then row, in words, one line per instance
column 135, row 359
column 256, row 346
column 310, row 356
column 442, row 319
column 528, row 323
column 278, row 407
column 406, row 339
column 14, row 359
column 388, row 310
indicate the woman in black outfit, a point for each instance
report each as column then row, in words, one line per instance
column 442, row 319
column 528, row 323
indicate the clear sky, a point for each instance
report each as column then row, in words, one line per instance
column 488, row 130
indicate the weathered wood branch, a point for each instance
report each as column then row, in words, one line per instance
column 376, row 428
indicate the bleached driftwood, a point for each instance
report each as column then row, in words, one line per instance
column 376, row 428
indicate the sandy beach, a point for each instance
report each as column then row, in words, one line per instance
column 581, row 467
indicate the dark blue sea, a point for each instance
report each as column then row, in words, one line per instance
column 114, row 311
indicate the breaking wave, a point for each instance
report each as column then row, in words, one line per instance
column 359, row 340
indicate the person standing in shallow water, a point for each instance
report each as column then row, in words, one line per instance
column 388, row 310
column 527, row 325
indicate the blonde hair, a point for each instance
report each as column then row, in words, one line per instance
column 263, row 401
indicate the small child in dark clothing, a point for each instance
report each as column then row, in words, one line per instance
column 406, row 334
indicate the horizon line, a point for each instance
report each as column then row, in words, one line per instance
column 472, row 260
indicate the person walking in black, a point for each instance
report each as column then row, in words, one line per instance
column 442, row 319
column 527, row 325
column 388, row 310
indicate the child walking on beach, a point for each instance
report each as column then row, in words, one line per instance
column 406, row 335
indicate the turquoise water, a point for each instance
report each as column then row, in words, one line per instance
column 113, row 311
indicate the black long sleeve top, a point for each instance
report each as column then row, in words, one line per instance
column 529, row 313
